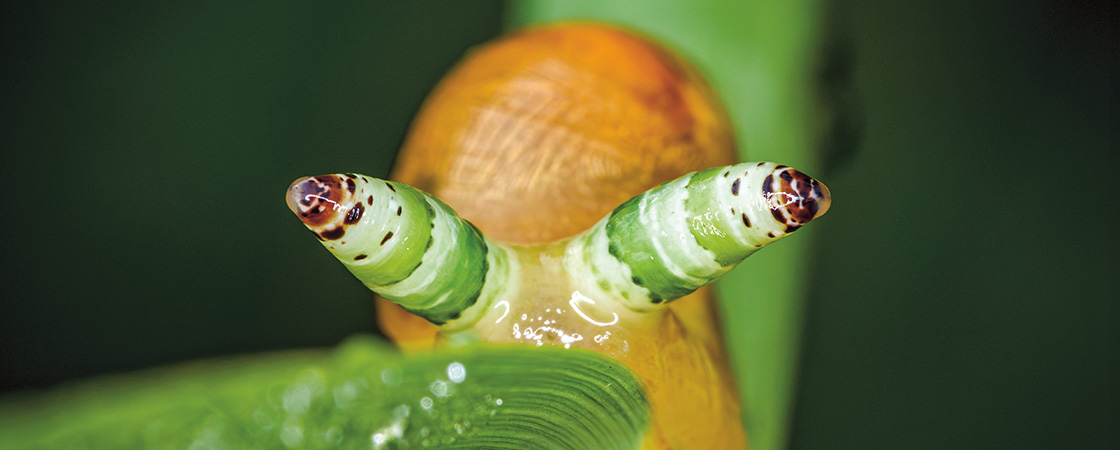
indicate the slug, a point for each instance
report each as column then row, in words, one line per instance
column 571, row 186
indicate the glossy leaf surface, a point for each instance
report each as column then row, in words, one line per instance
column 364, row 395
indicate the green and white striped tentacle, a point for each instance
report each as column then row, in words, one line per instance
column 685, row 233
column 404, row 244
column 661, row 245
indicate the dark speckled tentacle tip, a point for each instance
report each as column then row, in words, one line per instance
column 795, row 198
column 315, row 199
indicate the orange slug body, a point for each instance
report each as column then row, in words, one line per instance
column 535, row 137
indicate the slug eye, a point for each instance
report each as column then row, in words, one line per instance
column 315, row 199
column 795, row 198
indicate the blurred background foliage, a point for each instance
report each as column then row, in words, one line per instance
column 957, row 294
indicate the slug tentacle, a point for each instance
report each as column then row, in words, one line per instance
column 685, row 233
column 656, row 247
column 404, row 244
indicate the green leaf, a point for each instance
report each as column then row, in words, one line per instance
column 363, row 395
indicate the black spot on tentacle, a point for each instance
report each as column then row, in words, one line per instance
column 768, row 192
column 361, row 257
column 735, row 186
column 637, row 280
column 746, row 221
column 333, row 234
column 385, row 239
column 369, row 201
column 725, row 174
column 349, row 185
column 777, row 213
column 399, row 209
column 354, row 215
column 391, row 188
column 771, row 234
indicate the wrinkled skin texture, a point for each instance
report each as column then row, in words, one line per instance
column 540, row 134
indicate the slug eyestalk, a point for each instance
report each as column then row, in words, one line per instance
column 415, row 251
column 403, row 244
column 686, row 233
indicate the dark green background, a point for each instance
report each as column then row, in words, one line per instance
column 963, row 284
